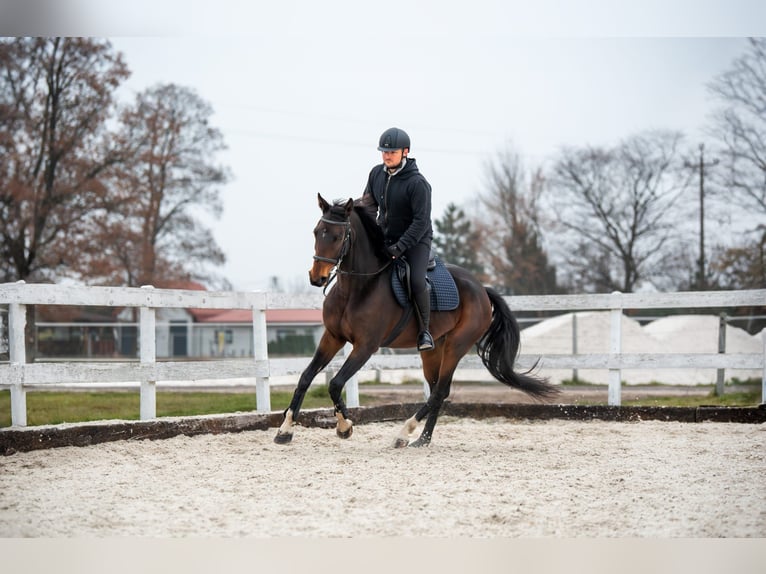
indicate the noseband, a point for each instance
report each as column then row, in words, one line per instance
column 344, row 246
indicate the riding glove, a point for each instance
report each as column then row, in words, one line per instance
column 394, row 251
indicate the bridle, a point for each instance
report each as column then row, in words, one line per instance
column 344, row 249
column 344, row 246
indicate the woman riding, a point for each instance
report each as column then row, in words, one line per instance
column 402, row 197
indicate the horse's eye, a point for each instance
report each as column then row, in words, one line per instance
column 326, row 233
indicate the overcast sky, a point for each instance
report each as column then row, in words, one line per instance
column 302, row 90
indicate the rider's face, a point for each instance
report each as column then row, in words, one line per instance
column 392, row 158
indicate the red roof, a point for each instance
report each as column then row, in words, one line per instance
column 180, row 284
column 295, row 316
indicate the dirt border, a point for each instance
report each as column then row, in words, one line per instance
column 14, row 440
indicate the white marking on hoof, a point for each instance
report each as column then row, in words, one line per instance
column 344, row 427
column 285, row 431
column 403, row 438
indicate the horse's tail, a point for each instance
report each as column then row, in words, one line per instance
column 499, row 347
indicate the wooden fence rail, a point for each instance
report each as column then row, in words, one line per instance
column 18, row 375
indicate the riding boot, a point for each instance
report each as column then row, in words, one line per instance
column 422, row 302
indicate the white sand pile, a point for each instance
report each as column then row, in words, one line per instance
column 478, row 479
column 676, row 334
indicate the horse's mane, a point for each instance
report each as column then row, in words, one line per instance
column 367, row 219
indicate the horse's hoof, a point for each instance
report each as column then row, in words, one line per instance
column 401, row 443
column 346, row 433
column 283, row 438
column 420, row 442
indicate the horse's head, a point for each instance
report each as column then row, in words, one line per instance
column 332, row 238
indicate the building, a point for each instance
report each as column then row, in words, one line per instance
column 71, row 332
column 229, row 333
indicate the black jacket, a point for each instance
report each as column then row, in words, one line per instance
column 404, row 205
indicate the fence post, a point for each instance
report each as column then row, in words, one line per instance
column 615, row 348
column 720, row 373
column 17, row 321
column 261, row 353
column 575, row 374
column 763, row 374
column 352, row 385
column 148, row 355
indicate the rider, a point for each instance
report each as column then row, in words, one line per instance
column 402, row 197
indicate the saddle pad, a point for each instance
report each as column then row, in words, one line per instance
column 444, row 295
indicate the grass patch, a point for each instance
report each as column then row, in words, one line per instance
column 579, row 383
column 748, row 398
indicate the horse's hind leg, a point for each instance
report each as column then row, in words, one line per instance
column 431, row 409
column 435, row 402
column 454, row 349
column 431, row 363
column 403, row 438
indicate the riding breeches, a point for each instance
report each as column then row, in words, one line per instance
column 418, row 259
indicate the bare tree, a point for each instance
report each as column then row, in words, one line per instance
column 510, row 229
column 55, row 95
column 616, row 209
column 740, row 128
column 743, row 266
column 149, row 227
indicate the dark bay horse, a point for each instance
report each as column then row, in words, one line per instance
column 361, row 309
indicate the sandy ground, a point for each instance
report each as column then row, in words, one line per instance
column 494, row 478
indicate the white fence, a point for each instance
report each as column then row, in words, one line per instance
column 19, row 376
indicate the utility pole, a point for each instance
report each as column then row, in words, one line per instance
column 700, row 165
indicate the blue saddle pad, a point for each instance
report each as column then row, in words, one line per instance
column 444, row 295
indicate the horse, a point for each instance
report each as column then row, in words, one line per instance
column 361, row 309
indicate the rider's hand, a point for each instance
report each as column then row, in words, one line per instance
column 394, row 251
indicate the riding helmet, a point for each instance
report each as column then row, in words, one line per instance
column 393, row 139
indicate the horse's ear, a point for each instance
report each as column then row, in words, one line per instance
column 323, row 205
column 349, row 206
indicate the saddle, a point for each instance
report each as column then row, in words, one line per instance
column 444, row 294
column 441, row 286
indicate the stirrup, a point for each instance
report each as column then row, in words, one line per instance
column 425, row 341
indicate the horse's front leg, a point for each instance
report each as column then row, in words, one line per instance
column 356, row 359
column 326, row 350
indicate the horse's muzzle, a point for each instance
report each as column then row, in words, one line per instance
column 318, row 275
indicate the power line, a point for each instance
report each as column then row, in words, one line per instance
column 700, row 166
column 326, row 141
column 375, row 124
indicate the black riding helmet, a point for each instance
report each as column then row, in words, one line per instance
column 393, row 139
